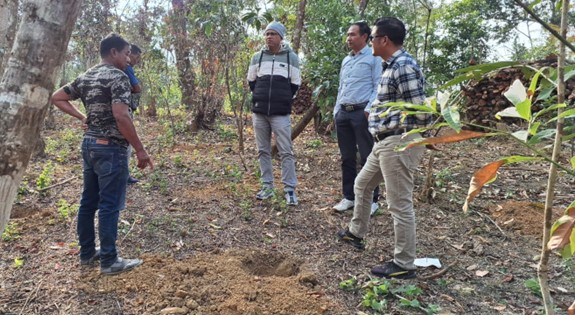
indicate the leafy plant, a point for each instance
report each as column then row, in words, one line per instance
column 44, row 179
column 226, row 133
column 11, row 232
column 379, row 295
column 349, row 284
column 443, row 177
column 315, row 143
column 533, row 285
column 65, row 210
column 246, row 207
column 178, row 161
column 23, row 189
column 18, row 262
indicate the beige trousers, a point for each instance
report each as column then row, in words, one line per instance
column 397, row 170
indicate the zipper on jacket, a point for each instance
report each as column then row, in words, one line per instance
column 271, row 82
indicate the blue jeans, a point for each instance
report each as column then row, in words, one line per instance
column 105, row 176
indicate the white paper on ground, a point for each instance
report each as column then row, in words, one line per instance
column 426, row 262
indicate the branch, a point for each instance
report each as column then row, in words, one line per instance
column 439, row 274
column 545, row 25
column 57, row 184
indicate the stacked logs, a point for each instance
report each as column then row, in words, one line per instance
column 303, row 99
column 484, row 98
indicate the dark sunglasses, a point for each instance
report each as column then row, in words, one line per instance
column 376, row 36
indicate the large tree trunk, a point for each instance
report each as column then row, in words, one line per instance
column 299, row 26
column 38, row 51
column 8, row 23
column 182, row 47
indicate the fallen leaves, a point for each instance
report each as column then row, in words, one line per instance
column 481, row 273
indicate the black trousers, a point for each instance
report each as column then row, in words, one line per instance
column 353, row 136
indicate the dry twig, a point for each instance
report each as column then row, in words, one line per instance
column 491, row 220
column 32, row 295
column 57, row 184
column 128, row 233
column 440, row 273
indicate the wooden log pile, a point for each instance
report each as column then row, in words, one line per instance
column 303, row 99
column 484, row 98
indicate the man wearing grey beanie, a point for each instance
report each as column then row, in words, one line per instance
column 274, row 78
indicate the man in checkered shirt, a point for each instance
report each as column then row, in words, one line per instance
column 401, row 81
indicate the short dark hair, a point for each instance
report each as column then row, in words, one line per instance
column 391, row 27
column 363, row 28
column 110, row 42
column 136, row 50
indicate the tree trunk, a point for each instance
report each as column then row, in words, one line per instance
column 38, row 51
column 299, row 26
column 182, row 47
column 362, row 7
column 543, row 267
column 8, row 23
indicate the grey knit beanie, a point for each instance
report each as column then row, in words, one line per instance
column 277, row 27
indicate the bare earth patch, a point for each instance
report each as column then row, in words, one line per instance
column 211, row 248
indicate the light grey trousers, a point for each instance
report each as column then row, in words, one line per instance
column 397, row 170
column 280, row 125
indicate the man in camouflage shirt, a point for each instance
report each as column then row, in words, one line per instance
column 105, row 92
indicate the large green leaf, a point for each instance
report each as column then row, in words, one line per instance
column 541, row 135
column 524, row 109
column 548, row 109
column 533, row 85
column 573, row 162
column 409, row 107
column 458, row 79
column 476, row 72
column 488, row 67
column 566, row 114
column 533, row 4
column 546, row 93
column 533, row 128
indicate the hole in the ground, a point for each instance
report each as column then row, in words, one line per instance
column 271, row 264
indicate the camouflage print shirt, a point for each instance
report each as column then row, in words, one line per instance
column 99, row 88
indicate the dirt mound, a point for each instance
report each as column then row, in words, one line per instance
column 524, row 217
column 233, row 283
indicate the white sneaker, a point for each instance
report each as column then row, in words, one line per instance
column 344, row 205
column 374, row 208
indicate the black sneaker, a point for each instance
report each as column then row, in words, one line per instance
column 92, row 260
column 347, row 237
column 391, row 270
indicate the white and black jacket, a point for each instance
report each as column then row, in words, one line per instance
column 274, row 79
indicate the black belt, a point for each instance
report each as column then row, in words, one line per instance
column 353, row 107
column 395, row 132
